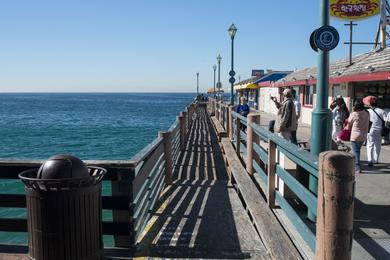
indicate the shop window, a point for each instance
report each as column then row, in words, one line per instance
column 308, row 95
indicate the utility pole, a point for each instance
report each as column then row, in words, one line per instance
column 351, row 25
column 384, row 22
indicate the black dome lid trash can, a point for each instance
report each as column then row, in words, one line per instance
column 64, row 212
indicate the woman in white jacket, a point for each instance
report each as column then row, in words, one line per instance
column 374, row 137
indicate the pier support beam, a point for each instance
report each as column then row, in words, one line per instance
column 335, row 205
column 167, row 140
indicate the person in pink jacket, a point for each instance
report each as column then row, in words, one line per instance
column 358, row 122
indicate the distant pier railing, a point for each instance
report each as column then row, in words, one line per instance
column 135, row 184
column 281, row 166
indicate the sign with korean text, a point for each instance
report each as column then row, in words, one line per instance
column 354, row 9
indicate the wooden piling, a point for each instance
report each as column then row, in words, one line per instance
column 250, row 138
column 217, row 106
column 167, row 140
column 336, row 182
column 230, row 118
column 183, row 131
column 271, row 174
column 238, row 136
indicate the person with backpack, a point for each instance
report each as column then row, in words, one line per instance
column 378, row 129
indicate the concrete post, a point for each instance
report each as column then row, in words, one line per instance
column 335, row 205
column 230, row 132
column 167, row 140
column 183, row 131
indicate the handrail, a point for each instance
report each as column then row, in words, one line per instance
column 300, row 157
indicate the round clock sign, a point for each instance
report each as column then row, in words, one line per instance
column 326, row 38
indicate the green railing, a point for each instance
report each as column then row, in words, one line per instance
column 130, row 188
column 265, row 153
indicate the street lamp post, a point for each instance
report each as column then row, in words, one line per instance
column 219, row 58
column 214, row 68
column 197, row 84
column 232, row 32
column 321, row 116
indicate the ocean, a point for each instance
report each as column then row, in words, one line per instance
column 98, row 126
column 87, row 125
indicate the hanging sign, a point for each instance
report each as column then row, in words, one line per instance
column 354, row 9
column 326, row 38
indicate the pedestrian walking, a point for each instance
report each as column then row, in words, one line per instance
column 374, row 139
column 358, row 123
column 297, row 106
column 286, row 118
column 340, row 114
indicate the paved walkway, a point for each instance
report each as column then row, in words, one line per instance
column 372, row 203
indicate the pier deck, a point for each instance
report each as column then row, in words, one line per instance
column 201, row 215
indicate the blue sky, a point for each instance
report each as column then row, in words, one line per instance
column 145, row 45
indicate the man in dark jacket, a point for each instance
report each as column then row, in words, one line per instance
column 243, row 109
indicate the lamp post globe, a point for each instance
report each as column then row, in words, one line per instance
column 219, row 58
column 232, row 32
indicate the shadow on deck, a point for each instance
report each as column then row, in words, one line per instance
column 201, row 215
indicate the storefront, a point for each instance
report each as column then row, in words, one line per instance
column 368, row 75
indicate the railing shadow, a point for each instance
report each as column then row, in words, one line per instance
column 371, row 224
column 194, row 217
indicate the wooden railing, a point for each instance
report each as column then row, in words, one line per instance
column 135, row 184
column 267, row 155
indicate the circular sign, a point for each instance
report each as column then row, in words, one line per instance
column 219, row 85
column 326, row 38
column 312, row 43
column 232, row 80
column 232, row 73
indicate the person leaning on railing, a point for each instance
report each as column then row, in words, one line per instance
column 243, row 109
column 286, row 118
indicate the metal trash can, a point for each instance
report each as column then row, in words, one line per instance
column 64, row 210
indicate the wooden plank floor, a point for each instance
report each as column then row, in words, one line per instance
column 201, row 215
